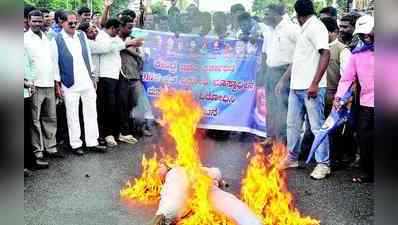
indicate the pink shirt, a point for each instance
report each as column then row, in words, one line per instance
column 361, row 66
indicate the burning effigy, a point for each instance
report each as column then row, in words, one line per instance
column 190, row 194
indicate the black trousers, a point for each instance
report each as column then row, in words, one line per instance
column 106, row 107
column 28, row 123
column 366, row 142
column 127, row 96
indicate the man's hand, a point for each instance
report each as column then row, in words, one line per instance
column 58, row 90
column 337, row 103
column 312, row 91
column 32, row 90
column 108, row 3
column 279, row 87
column 136, row 42
column 95, row 82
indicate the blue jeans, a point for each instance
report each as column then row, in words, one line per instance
column 299, row 104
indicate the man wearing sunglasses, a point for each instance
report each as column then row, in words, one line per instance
column 72, row 60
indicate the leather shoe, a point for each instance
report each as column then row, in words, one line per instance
column 78, row 151
column 27, row 172
column 41, row 164
column 97, row 148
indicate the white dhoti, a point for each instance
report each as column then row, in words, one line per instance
column 89, row 105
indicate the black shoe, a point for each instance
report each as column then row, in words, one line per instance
column 27, row 172
column 97, row 148
column 102, row 141
column 78, row 151
column 41, row 164
column 55, row 155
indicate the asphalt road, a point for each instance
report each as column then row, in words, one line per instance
column 85, row 190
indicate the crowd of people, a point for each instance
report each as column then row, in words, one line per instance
column 83, row 77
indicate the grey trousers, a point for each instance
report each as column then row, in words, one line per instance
column 276, row 105
column 44, row 121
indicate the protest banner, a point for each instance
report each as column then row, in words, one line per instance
column 221, row 73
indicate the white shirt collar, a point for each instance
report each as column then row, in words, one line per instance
column 308, row 22
column 283, row 22
column 64, row 34
column 31, row 33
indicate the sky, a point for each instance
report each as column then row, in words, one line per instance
column 222, row 5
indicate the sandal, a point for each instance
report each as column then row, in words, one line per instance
column 362, row 179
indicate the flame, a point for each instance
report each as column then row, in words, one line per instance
column 146, row 189
column 181, row 115
column 264, row 189
column 264, row 186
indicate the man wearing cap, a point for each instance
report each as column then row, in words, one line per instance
column 361, row 67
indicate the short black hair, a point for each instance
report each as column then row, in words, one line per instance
column 331, row 11
column 112, row 22
column 279, row 9
column 44, row 10
column 27, row 9
column 128, row 12
column 84, row 26
column 124, row 20
column 35, row 12
column 244, row 16
column 59, row 16
column 237, row 7
column 331, row 24
column 351, row 18
column 83, row 9
column 304, row 7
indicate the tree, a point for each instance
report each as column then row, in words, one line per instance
column 118, row 6
column 260, row 5
column 66, row 4
column 159, row 9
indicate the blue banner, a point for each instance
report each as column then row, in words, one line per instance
column 220, row 73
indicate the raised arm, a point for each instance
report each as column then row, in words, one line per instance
column 105, row 13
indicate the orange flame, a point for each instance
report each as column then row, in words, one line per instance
column 181, row 115
column 264, row 186
column 264, row 189
column 146, row 189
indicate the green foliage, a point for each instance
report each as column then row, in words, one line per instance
column 159, row 9
column 260, row 5
column 118, row 6
column 66, row 4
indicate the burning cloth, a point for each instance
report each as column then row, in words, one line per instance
column 176, row 191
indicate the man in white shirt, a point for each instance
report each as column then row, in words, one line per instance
column 308, row 87
column 72, row 60
column 282, row 40
column 106, row 48
column 43, row 99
